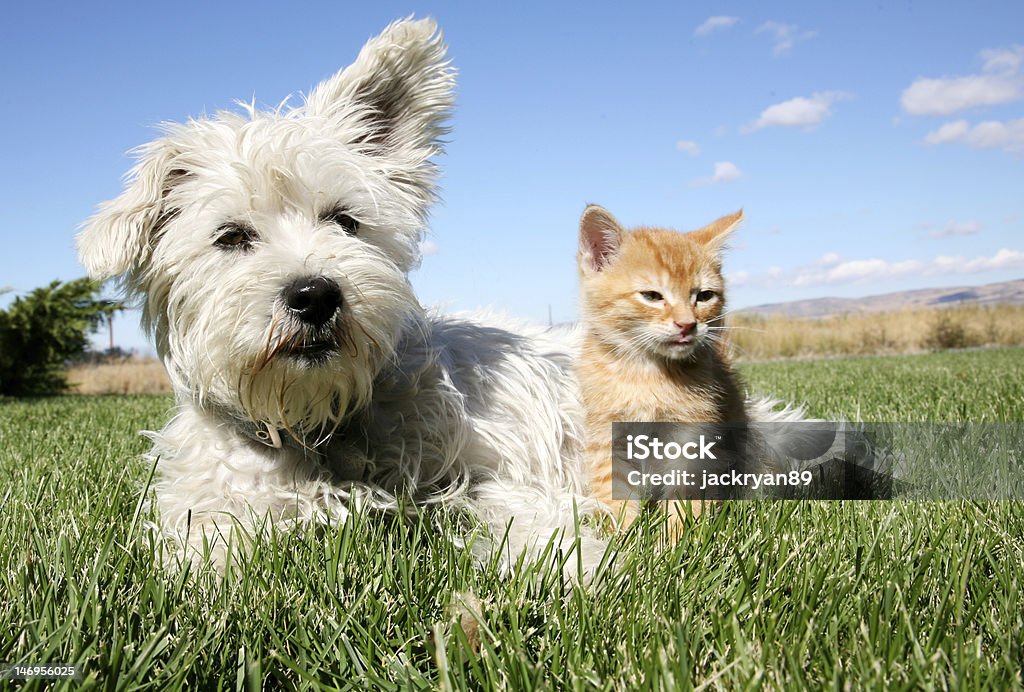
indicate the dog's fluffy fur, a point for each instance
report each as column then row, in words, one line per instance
column 403, row 404
column 222, row 215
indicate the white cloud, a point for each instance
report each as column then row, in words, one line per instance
column 950, row 132
column 991, row 134
column 998, row 83
column 737, row 278
column 429, row 247
column 714, row 24
column 725, row 171
column 1004, row 259
column 945, row 96
column 1003, row 60
column 690, row 147
column 784, row 35
column 994, row 134
column 956, row 228
column 830, row 270
column 806, row 112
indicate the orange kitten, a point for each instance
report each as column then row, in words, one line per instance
column 653, row 346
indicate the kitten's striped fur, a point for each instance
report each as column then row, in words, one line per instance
column 653, row 347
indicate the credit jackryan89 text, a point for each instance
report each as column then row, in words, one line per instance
column 817, row 460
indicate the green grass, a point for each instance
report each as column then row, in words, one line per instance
column 976, row 386
column 757, row 594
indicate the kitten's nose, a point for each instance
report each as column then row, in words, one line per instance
column 685, row 328
column 313, row 299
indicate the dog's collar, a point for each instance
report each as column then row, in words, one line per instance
column 343, row 466
column 263, row 433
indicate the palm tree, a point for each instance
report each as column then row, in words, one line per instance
column 107, row 308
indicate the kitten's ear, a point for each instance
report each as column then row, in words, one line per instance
column 714, row 235
column 600, row 238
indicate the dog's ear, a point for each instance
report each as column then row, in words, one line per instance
column 118, row 240
column 396, row 96
column 600, row 237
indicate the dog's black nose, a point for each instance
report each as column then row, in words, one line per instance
column 314, row 300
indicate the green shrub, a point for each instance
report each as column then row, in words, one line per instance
column 41, row 331
column 945, row 332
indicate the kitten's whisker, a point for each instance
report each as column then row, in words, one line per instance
column 722, row 316
column 732, row 327
column 741, row 351
column 636, row 344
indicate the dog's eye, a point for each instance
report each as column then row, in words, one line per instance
column 341, row 217
column 651, row 295
column 704, row 296
column 235, row 236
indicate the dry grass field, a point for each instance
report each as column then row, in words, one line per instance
column 758, row 338
column 132, row 376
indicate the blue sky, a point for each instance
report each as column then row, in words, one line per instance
column 874, row 148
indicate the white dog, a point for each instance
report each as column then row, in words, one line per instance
column 270, row 254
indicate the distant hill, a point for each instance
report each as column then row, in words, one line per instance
column 989, row 294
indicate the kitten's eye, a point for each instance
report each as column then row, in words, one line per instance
column 652, row 295
column 704, row 296
column 236, row 236
column 341, row 217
